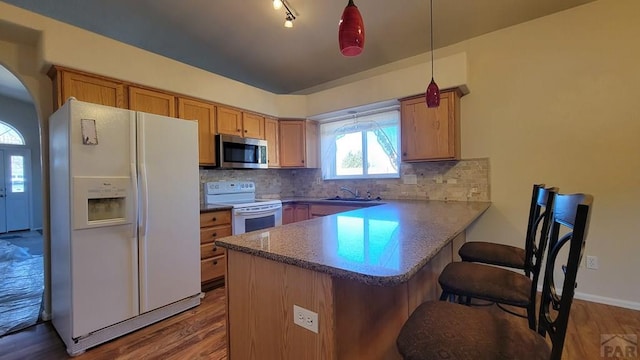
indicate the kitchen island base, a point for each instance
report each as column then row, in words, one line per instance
column 355, row 320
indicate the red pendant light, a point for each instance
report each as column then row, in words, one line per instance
column 351, row 31
column 432, row 94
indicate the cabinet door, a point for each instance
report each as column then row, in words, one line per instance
column 287, row 214
column 311, row 145
column 90, row 89
column 292, row 143
column 252, row 126
column 204, row 114
column 229, row 121
column 430, row 133
column 153, row 102
column 271, row 134
column 301, row 212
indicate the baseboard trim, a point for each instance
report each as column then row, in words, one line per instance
column 608, row 301
column 633, row 305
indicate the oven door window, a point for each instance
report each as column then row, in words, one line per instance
column 259, row 223
column 241, row 153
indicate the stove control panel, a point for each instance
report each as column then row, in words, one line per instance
column 229, row 187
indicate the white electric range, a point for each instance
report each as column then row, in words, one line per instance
column 248, row 213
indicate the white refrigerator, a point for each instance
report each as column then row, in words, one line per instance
column 125, row 238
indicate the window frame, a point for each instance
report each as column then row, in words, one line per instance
column 329, row 148
column 11, row 129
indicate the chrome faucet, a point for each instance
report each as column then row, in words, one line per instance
column 355, row 194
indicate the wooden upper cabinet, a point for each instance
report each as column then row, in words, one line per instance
column 312, row 144
column 271, row 134
column 292, row 143
column 431, row 133
column 93, row 89
column 229, row 121
column 298, row 143
column 153, row 102
column 252, row 126
column 205, row 115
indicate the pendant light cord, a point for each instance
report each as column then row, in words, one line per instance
column 431, row 24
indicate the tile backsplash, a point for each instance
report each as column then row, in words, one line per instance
column 441, row 180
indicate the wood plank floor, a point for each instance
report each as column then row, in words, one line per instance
column 200, row 334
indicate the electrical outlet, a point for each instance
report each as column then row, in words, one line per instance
column 592, row 262
column 305, row 318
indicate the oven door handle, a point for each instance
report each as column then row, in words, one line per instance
column 256, row 213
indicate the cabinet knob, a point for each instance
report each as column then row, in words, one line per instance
column 404, row 154
column 245, row 131
column 214, row 234
column 214, row 219
column 215, row 262
column 303, row 161
column 215, row 249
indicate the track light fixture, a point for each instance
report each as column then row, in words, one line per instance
column 289, row 16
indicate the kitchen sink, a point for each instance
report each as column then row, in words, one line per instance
column 338, row 198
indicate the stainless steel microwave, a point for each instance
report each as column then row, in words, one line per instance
column 234, row 152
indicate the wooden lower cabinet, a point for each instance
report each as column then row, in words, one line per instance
column 294, row 212
column 213, row 225
column 355, row 320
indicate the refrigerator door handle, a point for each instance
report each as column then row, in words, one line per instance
column 134, row 199
column 144, row 206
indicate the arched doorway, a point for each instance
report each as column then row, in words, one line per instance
column 21, row 245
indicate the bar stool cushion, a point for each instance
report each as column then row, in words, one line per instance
column 486, row 282
column 463, row 332
column 491, row 253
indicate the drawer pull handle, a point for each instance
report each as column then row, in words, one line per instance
column 214, row 234
column 215, row 262
column 215, row 249
column 214, row 219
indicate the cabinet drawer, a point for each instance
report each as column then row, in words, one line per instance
column 212, row 268
column 210, row 250
column 215, row 218
column 209, row 235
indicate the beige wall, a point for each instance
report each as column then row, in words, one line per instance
column 555, row 101
column 552, row 100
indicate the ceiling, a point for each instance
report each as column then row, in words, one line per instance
column 246, row 40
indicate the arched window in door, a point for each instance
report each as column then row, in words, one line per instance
column 9, row 135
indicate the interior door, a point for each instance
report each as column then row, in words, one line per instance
column 16, row 188
column 3, row 199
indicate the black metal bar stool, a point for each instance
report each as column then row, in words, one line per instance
column 444, row 330
column 503, row 286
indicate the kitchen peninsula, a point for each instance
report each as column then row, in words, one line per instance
column 362, row 272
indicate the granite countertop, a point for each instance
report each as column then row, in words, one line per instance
column 214, row 207
column 378, row 245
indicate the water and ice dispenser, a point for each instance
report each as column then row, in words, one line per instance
column 102, row 201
